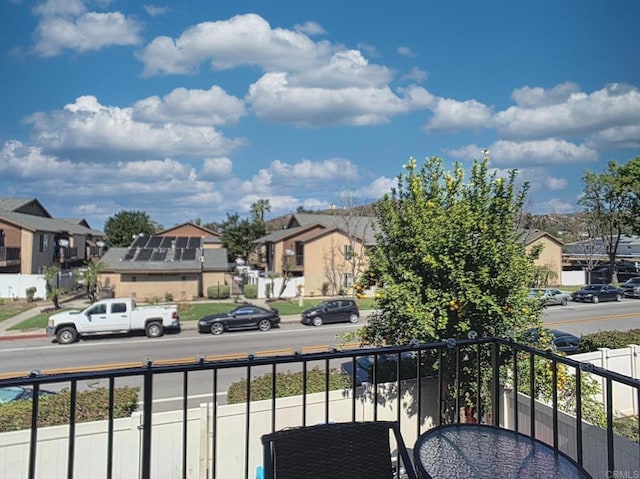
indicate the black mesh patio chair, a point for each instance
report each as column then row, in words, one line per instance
column 336, row 450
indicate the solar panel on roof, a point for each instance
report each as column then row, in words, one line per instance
column 194, row 242
column 131, row 252
column 144, row 254
column 159, row 255
column 140, row 241
column 166, row 241
column 181, row 241
column 154, row 242
column 188, row 254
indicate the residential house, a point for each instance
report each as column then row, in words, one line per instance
column 550, row 258
column 210, row 238
column 31, row 239
column 328, row 250
column 167, row 266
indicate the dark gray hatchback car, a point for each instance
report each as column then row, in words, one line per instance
column 333, row 311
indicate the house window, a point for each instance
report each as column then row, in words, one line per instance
column 133, row 279
column 183, row 278
column 348, row 251
column 41, row 243
column 299, row 253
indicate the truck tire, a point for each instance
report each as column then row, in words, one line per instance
column 67, row 335
column 154, row 329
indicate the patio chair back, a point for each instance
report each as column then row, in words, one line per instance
column 335, row 450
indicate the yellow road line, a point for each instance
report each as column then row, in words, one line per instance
column 599, row 318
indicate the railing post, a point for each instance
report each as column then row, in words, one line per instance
column 495, row 404
column 147, row 416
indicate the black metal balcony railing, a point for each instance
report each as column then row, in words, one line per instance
column 65, row 252
column 491, row 374
column 9, row 254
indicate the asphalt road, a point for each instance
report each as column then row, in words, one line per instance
column 42, row 354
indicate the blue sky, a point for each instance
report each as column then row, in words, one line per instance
column 194, row 109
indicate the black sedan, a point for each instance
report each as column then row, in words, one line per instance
column 594, row 293
column 561, row 340
column 246, row 316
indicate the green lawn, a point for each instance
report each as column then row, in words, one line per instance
column 8, row 311
column 37, row 322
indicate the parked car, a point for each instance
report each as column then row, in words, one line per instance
column 631, row 287
column 18, row 393
column 594, row 293
column 245, row 316
column 333, row 311
column 563, row 341
column 386, row 368
column 550, row 296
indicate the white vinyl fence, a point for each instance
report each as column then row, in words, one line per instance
column 14, row 286
column 231, row 423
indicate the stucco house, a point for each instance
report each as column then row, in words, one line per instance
column 31, row 239
column 167, row 265
column 328, row 250
column 550, row 257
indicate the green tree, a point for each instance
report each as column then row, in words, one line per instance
column 630, row 182
column 90, row 278
column 238, row 235
column 53, row 289
column 449, row 257
column 609, row 200
column 126, row 225
column 259, row 207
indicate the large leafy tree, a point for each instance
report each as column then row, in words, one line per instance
column 609, row 198
column 122, row 227
column 238, row 235
column 630, row 182
column 449, row 258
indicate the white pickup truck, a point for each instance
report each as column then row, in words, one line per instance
column 112, row 316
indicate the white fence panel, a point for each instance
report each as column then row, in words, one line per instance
column 14, row 286
column 573, row 278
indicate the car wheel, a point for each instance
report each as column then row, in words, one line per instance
column 353, row 318
column 154, row 329
column 216, row 328
column 317, row 321
column 595, row 300
column 619, row 297
column 264, row 325
column 66, row 335
column 564, row 301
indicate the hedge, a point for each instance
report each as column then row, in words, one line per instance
column 609, row 339
column 220, row 291
column 287, row 384
column 53, row 410
column 250, row 291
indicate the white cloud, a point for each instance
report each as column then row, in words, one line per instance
column 378, row 187
column 216, row 168
column 274, row 99
column 536, row 153
column 310, row 28
column 155, row 10
column 453, row 115
column 614, row 106
column 406, row 51
column 191, row 107
column 87, row 126
column 615, row 138
column 527, row 97
column 242, row 40
column 556, row 184
column 555, row 205
column 322, row 171
column 416, row 74
column 68, row 25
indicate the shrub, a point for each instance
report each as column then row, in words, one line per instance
column 31, row 293
column 220, row 291
column 54, row 410
column 250, row 291
column 287, row 384
column 325, row 288
column 168, row 297
column 609, row 339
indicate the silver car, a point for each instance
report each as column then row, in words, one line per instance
column 550, row 296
